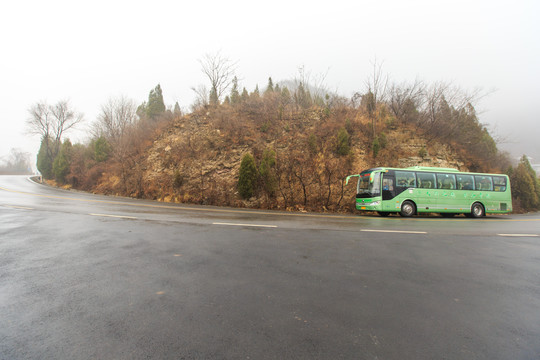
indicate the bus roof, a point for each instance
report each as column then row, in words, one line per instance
column 414, row 168
column 430, row 169
column 427, row 168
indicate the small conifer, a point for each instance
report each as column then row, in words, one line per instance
column 247, row 177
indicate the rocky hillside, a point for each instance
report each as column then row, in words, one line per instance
column 278, row 150
column 196, row 158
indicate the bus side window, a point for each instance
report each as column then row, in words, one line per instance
column 405, row 179
column 499, row 183
column 484, row 183
column 446, row 181
column 465, row 182
column 426, row 180
column 388, row 184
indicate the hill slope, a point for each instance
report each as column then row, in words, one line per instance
column 302, row 155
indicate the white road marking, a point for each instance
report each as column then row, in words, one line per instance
column 519, row 235
column 253, row 225
column 396, row 231
column 115, row 216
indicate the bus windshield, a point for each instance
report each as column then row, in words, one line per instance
column 369, row 185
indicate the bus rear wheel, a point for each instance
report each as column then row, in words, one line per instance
column 408, row 209
column 477, row 210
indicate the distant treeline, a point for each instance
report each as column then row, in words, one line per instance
column 17, row 163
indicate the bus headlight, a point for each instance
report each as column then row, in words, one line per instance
column 375, row 203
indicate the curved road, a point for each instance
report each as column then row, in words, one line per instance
column 94, row 277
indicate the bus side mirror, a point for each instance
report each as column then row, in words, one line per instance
column 348, row 177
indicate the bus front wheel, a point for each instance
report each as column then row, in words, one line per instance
column 477, row 210
column 408, row 209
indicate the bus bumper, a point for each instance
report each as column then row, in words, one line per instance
column 371, row 206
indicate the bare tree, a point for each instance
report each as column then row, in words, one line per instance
column 405, row 99
column 117, row 114
column 375, row 85
column 65, row 118
column 51, row 122
column 40, row 121
column 377, row 82
column 220, row 72
column 18, row 162
column 444, row 107
column 315, row 85
column 202, row 97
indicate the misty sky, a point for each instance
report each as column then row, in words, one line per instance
column 90, row 51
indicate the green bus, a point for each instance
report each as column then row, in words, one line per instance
column 415, row 190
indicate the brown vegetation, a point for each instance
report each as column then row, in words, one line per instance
column 303, row 145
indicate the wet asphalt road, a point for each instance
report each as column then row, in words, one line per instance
column 92, row 277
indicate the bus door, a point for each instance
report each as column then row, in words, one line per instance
column 388, row 190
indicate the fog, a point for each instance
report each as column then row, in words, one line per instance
column 90, row 52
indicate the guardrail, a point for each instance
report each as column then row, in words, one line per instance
column 37, row 178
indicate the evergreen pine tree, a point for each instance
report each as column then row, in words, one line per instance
column 525, row 185
column 267, row 171
column 285, row 95
column 256, row 92
column 269, row 87
column 101, row 149
column 235, row 95
column 343, row 147
column 45, row 158
column 302, row 97
column 141, row 110
column 177, row 110
column 62, row 162
column 376, row 146
column 248, row 177
column 155, row 105
column 245, row 95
